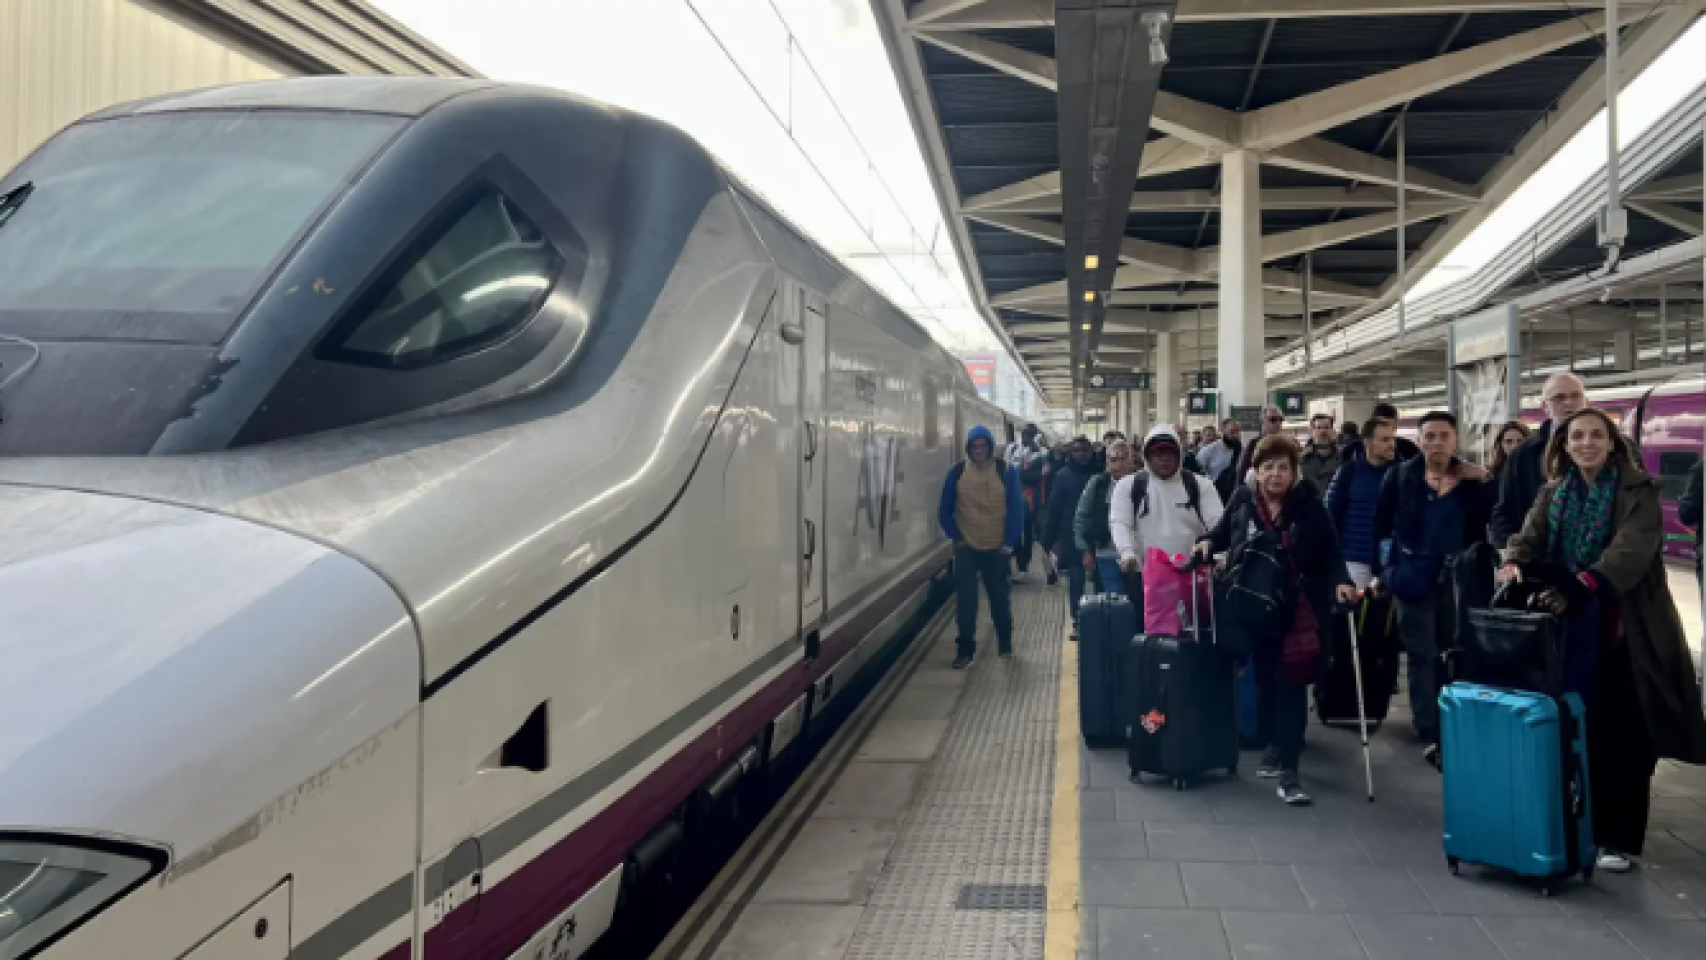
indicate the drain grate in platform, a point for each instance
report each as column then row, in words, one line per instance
column 1002, row 896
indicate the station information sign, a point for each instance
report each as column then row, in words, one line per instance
column 1119, row 381
column 1249, row 418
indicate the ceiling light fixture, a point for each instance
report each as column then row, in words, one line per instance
column 1089, row 296
column 1092, row 261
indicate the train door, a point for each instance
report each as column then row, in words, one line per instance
column 813, row 465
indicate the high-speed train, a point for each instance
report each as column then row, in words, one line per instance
column 420, row 500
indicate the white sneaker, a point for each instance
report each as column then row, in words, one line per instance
column 1613, row 862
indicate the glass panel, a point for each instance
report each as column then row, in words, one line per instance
column 174, row 214
column 1673, row 473
column 483, row 276
column 47, row 887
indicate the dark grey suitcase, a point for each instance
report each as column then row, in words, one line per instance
column 1184, row 711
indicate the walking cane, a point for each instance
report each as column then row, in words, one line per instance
column 1362, row 714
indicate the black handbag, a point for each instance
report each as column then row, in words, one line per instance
column 1513, row 644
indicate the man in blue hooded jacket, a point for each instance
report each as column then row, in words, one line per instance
column 982, row 511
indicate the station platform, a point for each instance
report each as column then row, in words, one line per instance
column 957, row 814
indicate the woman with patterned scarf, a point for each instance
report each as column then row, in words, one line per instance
column 1598, row 518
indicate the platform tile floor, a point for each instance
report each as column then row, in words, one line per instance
column 933, row 845
column 1226, row 870
column 933, row 841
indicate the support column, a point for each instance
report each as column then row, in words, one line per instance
column 1139, row 425
column 1243, row 380
column 1356, row 409
column 1166, row 379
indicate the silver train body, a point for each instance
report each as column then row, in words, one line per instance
column 395, row 582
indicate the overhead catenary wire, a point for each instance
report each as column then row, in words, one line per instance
column 787, row 127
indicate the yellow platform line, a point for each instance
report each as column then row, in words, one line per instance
column 1060, row 929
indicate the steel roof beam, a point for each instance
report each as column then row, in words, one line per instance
column 1157, row 258
column 1322, row 156
column 1197, row 123
column 1020, row 14
column 1197, row 133
column 1642, row 44
column 1680, row 218
column 1278, row 246
column 930, row 10
column 1278, row 198
column 1208, row 11
column 1167, row 262
column 1305, row 116
column 1055, row 291
column 1685, row 187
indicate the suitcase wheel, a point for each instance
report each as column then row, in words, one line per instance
column 1452, row 862
column 1546, row 890
column 1179, row 784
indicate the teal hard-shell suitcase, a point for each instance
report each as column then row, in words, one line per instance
column 1516, row 782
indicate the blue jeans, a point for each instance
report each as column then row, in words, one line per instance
column 990, row 566
column 1071, row 563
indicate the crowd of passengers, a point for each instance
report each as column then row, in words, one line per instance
column 1362, row 509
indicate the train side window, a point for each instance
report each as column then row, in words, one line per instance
column 932, row 415
column 478, row 277
column 1673, row 472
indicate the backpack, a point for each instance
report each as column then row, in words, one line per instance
column 1256, row 592
column 1032, row 471
column 1140, row 494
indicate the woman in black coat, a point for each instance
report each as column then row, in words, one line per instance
column 1289, row 657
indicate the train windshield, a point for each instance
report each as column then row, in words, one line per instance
column 163, row 227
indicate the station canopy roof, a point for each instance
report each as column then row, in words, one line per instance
column 1025, row 110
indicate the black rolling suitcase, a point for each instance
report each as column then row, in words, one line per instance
column 1106, row 625
column 1376, row 637
column 1184, row 712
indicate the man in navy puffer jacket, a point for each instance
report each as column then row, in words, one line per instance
column 1353, row 498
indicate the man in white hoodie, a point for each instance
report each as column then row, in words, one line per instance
column 1161, row 506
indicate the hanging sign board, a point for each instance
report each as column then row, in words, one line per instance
column 1488, row 335
column 1291, row 403
column 1249, row 418
column 1199, row 404
column 1119, row 381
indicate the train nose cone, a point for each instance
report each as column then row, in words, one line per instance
column 147, row 648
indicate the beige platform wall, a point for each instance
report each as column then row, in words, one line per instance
column 61, row 59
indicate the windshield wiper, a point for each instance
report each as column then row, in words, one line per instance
column 14, row 198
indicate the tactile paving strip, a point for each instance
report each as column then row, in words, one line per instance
column 980, row 821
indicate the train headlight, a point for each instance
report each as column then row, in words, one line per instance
column 48, row 886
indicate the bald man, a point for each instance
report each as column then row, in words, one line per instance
column 1524, row 474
